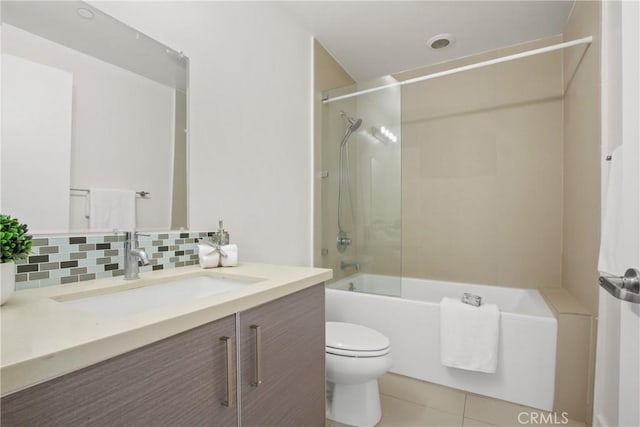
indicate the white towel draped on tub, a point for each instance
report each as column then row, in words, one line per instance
column 469, row 335
column 112, row 209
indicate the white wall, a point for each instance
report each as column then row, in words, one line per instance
column 250, row 86
column 122, row 130
column 617, row 375
column 36, row 128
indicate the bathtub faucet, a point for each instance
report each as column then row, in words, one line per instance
column 345, row 265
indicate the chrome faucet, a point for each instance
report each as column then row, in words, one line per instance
column 344, row 265
column 132, row 254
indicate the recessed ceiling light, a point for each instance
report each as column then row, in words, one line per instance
column 85, row 13
column 440, row 41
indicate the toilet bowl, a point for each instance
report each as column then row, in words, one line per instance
column 356, row 356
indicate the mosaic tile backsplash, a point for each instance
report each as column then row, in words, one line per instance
column 58, row 260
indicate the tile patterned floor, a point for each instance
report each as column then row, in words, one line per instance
column 410, row 403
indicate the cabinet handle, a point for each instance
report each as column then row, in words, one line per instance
column 228, row 344
column 258, row 361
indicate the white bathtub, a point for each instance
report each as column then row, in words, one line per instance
column 527, row 349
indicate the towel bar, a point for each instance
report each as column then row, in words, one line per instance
column 143, row 194
column 471, row 299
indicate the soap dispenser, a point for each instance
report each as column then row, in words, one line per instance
column 222, row 235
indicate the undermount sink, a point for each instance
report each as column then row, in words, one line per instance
column 128, row 301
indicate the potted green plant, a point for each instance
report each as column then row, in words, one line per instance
column 15, row 244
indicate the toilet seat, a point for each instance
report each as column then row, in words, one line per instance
column 351, row 353
column 351, row 340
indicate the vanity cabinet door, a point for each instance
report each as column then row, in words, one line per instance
column 282, row 346
column 179, row 381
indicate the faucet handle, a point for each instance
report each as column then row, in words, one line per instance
column 135, row 233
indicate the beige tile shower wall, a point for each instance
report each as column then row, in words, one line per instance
column 482, row 172
column 573, row 358
column 328, row 74
column 582, row 150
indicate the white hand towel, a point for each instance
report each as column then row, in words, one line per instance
column 231, row 258
column 469, row 335
column 112, row 209
column 616, row 245
column 208, row 256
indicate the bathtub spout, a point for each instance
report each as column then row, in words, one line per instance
column 345, row 265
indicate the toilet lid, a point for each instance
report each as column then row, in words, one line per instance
column 351, row 337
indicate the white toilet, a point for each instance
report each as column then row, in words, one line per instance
column 356, row 356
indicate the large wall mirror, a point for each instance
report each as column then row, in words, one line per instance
column 89, row 102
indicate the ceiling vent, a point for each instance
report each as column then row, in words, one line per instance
column 440, row 41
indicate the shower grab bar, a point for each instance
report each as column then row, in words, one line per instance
column 143, row 194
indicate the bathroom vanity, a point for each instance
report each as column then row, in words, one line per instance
column 253, row 355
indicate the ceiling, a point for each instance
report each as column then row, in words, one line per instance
column 371, row 39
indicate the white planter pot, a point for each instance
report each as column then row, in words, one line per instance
column 7, row 280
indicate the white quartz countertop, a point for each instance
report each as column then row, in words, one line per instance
column 43, row 338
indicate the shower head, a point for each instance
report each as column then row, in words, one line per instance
column 352, row 127
column 354, row 124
